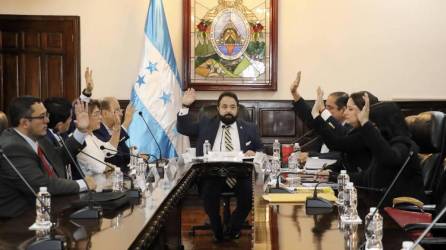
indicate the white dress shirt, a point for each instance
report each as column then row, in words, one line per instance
column 219, row 143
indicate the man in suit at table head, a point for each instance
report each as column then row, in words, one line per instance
column 35, row 157
column 225, row 132
column 111, row 114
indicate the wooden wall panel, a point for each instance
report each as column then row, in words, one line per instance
column 55, row 76
column 33, row 76
column 46, row 57
column 10, row 83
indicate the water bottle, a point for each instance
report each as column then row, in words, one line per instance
column 343, row 178
column 350, row 204
column 297, row 150
column 275, row 167
column 276, row 150
column 118, row 180
column 43, row 215
column 293, row 161
column 406, row 245
column 206, row 149
column 374, row 230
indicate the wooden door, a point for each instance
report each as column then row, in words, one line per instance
column 39, row 56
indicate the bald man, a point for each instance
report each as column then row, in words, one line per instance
column 111, row 114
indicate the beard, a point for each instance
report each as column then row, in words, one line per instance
column 227, row 118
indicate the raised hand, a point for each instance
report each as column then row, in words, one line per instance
column 189, row 97
column 129, row 111
column 363, row 115
column 89, row 80
column 294, row 86
column 82, row 119
column 318, row 106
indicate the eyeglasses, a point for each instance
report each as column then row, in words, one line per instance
column 40, row 117
column 96, row 113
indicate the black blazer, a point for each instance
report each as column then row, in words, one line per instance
column 303, row 111
column 206, row 129
column 14, row 195
column 122, row 158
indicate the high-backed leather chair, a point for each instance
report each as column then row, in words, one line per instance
column 211, row 111
column 428, row 130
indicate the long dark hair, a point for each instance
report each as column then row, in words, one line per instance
column 389, row 119
column 358, row 99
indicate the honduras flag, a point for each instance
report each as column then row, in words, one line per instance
column 156, row 94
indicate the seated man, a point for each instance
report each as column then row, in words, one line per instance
column 35, row 157
column 60, row 117
column 111, row 115
column 333, row 114
column 225, row 133
column 3, row 121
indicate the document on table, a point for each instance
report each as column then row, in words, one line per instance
column 317, row 164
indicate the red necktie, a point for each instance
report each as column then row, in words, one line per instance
column 46, row 165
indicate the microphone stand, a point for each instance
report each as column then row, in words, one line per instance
column 316, row 205
column 388, row 191
column 278, row 189
column 421, row 237
column 43, row 244
column 88, row 212
column 160, row 159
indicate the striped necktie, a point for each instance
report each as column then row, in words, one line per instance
column 230, row 181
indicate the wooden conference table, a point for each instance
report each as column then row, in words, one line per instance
column 156, row 224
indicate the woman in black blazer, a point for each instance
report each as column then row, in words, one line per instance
column 381, row 139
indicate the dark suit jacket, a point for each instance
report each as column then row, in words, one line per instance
column 206, row 129
column 122, row 157
column 14, row 195
column 303, row 110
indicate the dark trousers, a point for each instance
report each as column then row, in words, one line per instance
column 210, row 193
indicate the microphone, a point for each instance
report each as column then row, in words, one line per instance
column 52, row 242
column 108, row 154
column 316, row 205
column 304, row 135
column 432, row 224
column 88, row 212
column 380, row 190
column 132, row 192
column 150, row 131
column 279, row 189
column 411, row 152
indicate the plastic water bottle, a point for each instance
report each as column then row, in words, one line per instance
column 293, row 161
column 276, row 150
column 406, row 245
column 343, row 178
column 206, row 149
column 350, row 204
column 374, row 230
column 296, row 149
column 118, row 180
column 43, row 215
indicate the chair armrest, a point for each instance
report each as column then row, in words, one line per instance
column 433, row 241
column 429, row 208
column 421, row 226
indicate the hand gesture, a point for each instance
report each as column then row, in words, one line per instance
column 129, row 111
column 363, row 115
column 189, row 97
column 89, row 80
column 318, row 103
column 82, row 119
column 294, row 86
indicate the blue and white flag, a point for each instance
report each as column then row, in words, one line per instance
column 157, row 91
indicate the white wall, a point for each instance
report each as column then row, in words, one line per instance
column 394, row 48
